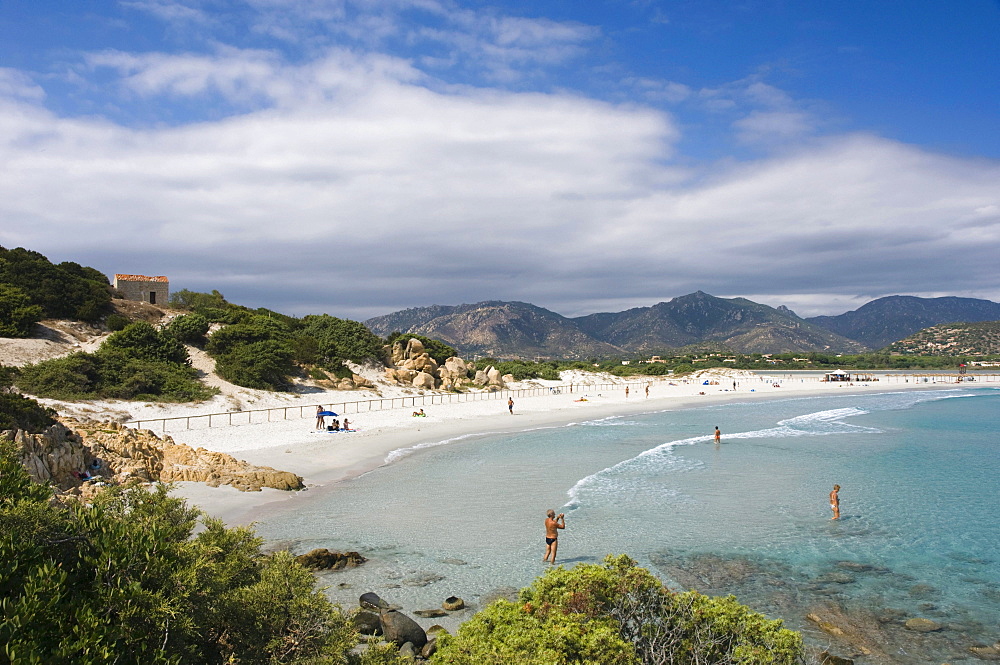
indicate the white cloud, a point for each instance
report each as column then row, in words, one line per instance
column 353, row 178
column 773, row 126
column 18, row 85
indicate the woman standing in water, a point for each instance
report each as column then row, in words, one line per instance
column 835, row 502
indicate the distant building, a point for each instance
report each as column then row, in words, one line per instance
column 154, row 290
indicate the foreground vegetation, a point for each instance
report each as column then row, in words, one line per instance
column 617, row 613
column 125, row 579
column 128, row 578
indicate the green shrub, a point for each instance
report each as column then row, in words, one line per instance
column 626, row 610
column 341, row 339
column 262, row 364
column 189, row 329
column 116, row 322
column 17, row 315
column 135, row 363
column 77, row 376
column 20, row 412
column 141, row 340
column 125, row 580
column 506, row 633
column 522, row 369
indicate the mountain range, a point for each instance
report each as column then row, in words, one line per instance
column 886, row 320
column 522, row 330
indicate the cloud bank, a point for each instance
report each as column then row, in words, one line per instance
column 357, row 182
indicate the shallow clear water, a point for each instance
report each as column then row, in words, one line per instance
column 919, row 471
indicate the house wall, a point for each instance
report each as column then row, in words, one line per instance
column 133, row 289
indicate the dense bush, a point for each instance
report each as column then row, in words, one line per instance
column 138, row 363
column 17, row 315
column 66, row 291
column 116, row 322
column 263, row 364
column 341, row 339
column 523, row 369
column 20, row 412
column 189, row 329
column 142, row 340
column 626, row 610
column 124, row 579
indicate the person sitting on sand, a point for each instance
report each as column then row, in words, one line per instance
column 347, row 425
column 335, row 425
column 835, row 502
column 553, row 523
column 419, row 414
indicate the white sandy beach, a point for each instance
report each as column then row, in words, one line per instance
column 291, row 443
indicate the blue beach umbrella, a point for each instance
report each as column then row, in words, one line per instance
column 326, row 413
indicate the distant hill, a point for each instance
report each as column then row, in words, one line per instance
column 495, row 328
column 952, row 339
column 521, row 330
column 886, row 320
column 738, row 324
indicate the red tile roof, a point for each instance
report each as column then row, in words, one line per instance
column 140, row 278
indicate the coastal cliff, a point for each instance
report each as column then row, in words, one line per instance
column 74, row 456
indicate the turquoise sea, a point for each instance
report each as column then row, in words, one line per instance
column 919, row 534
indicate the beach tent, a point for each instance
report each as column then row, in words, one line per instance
column 838, row 375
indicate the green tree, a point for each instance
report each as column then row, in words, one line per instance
column 17, row 315
column 67, row 290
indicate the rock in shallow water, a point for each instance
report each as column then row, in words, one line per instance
column 399, row 628
column 922, row 625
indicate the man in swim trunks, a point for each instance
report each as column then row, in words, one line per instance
column 718, row 435
column 510, row 405
column 553, row 523
column 835, row 502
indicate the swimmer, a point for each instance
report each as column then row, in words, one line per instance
column 718, row 435
column 835, row 502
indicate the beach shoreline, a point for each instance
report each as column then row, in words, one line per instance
column 325, row 459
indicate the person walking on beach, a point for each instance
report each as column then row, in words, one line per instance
column 835, row 502
column 647, row 391
column 553, row 523
column 320, row 420
column 510, row 405
column 718, row 435
column 626, row 392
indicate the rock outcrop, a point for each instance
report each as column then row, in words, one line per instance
column 71, row 454
column 324, row 559
column 412, row 365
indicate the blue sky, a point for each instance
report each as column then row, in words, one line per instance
column 358, row 156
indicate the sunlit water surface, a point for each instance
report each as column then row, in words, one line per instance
column 919, row 530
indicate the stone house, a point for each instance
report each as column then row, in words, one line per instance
column 154, row 290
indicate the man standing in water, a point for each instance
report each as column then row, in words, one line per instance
column 553, row 523
column 835, row 502
column 718, row 435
